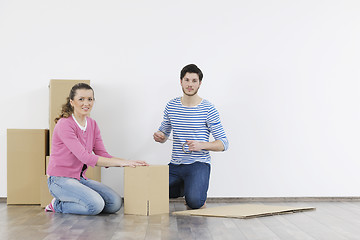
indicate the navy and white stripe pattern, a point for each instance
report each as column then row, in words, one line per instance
column 192, row 123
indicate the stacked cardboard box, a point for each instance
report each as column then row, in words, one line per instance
column 26, row 151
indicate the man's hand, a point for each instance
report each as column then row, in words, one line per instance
column 210, row 146
column 194, row 145
column 159, row 137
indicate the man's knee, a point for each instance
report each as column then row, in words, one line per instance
column 194, row 202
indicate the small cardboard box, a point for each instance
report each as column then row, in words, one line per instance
column 146, row 190
column 59, row 91
column 26, row 151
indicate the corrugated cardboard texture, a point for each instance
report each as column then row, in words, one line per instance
column 146, row 190
column 243, row 211
column 26, row 151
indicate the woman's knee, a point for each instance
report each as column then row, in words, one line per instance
column 114, row 205
column 95, row 206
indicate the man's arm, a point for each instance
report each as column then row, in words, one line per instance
column 216, row 145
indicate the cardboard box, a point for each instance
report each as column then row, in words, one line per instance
column 59, row 91
column 94, row 173
column 26, row 151
column 45, row 196
column 146, row 190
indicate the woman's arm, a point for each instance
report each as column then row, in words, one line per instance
column 119, row 162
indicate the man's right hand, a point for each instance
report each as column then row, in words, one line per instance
column 159, row 137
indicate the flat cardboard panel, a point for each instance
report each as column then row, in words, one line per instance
column 243, row 211
column 26, row 151
column 158, row 190
column 146, row 190
column 45, row 196
column 136, row 190
column 59, row 91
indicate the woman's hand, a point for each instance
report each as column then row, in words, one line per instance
column 159, row 137
column 119, row 162
column 132, row 163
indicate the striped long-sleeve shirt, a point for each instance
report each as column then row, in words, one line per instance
column 192, row 123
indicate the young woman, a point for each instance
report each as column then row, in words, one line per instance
column 77, row 144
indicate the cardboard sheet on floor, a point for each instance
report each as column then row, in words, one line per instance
column 243, row 211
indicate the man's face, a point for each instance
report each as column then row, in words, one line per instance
column 190, row 84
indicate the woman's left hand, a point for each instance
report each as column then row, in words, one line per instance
column 133, row 163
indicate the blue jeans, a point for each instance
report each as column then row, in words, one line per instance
column 191, row 181
column 85, row 197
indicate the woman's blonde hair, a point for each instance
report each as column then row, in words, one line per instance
column 67, row 109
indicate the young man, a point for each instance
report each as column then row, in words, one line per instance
column 192, row 119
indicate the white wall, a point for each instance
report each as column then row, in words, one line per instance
column 283, row 74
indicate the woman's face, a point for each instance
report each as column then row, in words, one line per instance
column 83, row 102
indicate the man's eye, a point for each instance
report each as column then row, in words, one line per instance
column 90, row 99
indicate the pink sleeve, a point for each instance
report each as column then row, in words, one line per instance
column 68, row 137
column 99, row 148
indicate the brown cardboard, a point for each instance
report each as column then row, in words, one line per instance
column 26, row 151
column 59, row 91
column 243, row 211
column 146, row 190
column 94, row 173
column 45, row 196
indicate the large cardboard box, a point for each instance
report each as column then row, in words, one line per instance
column 26, row 151
column 146, row 190
column 59, row 91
